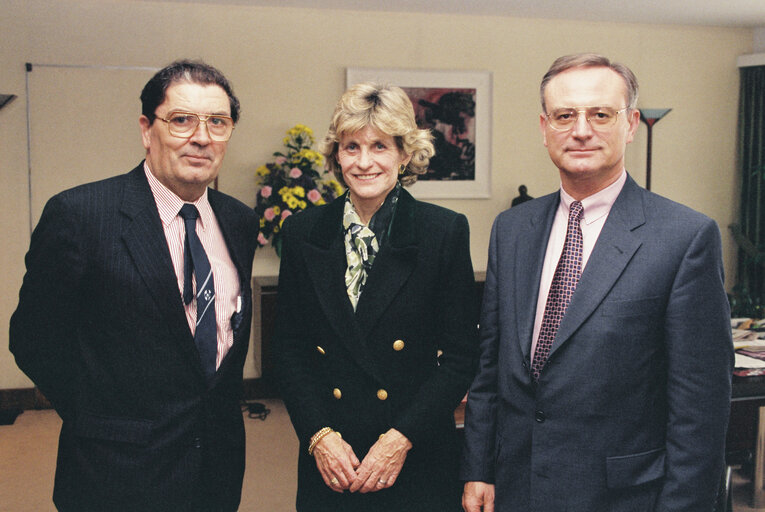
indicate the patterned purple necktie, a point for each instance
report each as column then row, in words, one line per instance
column 564, row 283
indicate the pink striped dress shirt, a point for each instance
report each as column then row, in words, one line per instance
column 226, row 278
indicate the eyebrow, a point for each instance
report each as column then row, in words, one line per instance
column 182, row 110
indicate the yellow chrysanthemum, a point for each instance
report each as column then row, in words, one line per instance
column 298, row 191
column 312, row 156
column 263, row 170
column 277, row 210
column 338, row 188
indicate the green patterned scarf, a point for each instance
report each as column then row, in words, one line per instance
column 361, row 247
column 362, row 243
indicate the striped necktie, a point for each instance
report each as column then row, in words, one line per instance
column 195, row 259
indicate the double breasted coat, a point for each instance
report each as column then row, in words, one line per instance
column 630, row 411
column 101, row 329
column 403, row 360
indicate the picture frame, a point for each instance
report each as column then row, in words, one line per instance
column 456, row 106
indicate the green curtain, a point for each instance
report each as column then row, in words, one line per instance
column 750, row 231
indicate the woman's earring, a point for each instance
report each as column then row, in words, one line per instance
column 401, row 169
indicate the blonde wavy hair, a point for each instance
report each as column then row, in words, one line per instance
column 385, row 108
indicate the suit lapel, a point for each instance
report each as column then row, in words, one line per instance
column 614, row 249
column 325, row 261
column 145, row 240
column 393, row 265
column 531, row 245
column 326, row 253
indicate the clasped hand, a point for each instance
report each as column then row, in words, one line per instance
column 342, row 471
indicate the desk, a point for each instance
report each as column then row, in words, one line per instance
column 746, row 429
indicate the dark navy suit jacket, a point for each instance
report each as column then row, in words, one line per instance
column 100, row 328
column 630, row 412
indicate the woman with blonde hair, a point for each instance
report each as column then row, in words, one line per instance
column 376, row 330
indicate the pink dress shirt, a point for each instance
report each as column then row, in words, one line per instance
column 225, row 276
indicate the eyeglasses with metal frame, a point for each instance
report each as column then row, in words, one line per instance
column 600, row 118
column 184, row 125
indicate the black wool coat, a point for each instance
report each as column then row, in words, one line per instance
column 403, row 360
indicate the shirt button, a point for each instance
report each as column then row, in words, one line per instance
column 382, row 394
column 398, row 345
column 337, row 393
column 540, row 417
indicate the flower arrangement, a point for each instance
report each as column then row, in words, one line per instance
column 294, row 181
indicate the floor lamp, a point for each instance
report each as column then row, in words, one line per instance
column 651, row 116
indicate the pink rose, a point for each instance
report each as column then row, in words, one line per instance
column 281, row 160
column 261, row 239
column 285, row 214
column 314, row 195
column 269, row 214
column 295, row 173
column 265, row 191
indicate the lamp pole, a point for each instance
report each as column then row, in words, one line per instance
column 651, row 116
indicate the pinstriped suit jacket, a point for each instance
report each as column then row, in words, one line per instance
column 100, row 328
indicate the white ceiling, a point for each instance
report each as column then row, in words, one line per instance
column 729, row 13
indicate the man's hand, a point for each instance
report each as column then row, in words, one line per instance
column 478, row 496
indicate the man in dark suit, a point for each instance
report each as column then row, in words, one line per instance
column 606, row 354
column 146, row 378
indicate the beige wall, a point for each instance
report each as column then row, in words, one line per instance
column 287, row 66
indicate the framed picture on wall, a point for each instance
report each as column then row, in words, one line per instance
column 456, row 107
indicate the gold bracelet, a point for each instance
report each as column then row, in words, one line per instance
column 318, row 436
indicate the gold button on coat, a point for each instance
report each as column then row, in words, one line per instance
column 337, row 393
column 398, row 345
column 382, row 394
column 321, row 350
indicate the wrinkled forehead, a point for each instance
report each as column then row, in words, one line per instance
column 590, row 86
column 195, row 97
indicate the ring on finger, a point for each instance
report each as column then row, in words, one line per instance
column 334, row 481
column 382, row 482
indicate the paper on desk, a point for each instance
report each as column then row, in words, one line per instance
column 743, row 361
column 748, row 343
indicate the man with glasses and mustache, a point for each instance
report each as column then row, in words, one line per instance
column 134, row 314
column 606, row 354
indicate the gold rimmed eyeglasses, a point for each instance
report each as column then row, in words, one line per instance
column 600, row 118
column 184, row 124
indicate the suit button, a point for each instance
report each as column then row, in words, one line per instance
column 197, row 442
column 321, row 350
column 398, row 345
column 337, row 393
column 540, row 417
column 382, row 394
